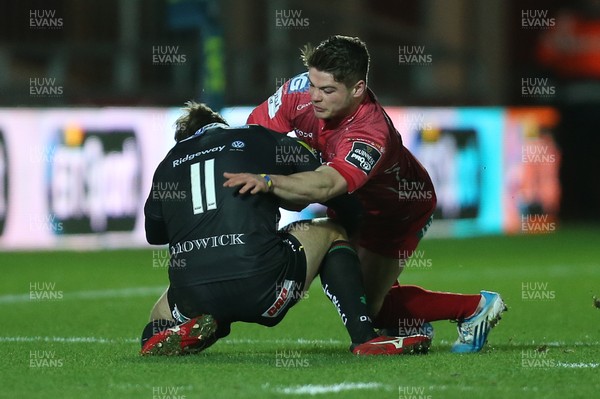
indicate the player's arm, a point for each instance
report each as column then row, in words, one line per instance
column 300, row 183
column 305, row 187
column 156, row 232
column 156, row 228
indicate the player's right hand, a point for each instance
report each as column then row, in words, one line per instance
column 250, row 183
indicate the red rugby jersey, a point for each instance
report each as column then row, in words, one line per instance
column 365, row 148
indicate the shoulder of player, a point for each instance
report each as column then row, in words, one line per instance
column 295, row 90
column 372, row 125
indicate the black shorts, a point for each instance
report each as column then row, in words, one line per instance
column 263, row 299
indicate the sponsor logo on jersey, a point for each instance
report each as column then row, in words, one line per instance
column 223, row 240
column 238, row 144
column 299, row 83
column 363, row 156
column 302, row 106
column 189, row 157
column 300, row 133
column 274, row 102
column 282, row 299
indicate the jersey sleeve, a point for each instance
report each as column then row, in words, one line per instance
column 356, row 159
column 277, row 113
column 152, row 207
column 273, row 112
column 156, row 229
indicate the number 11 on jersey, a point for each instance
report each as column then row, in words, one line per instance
column 203, row 193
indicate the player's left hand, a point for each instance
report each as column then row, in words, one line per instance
column 250, row 183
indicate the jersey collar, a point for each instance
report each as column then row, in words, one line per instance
column 204, row 128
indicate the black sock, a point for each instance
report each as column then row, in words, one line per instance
column 154, row 327
column 341, row 279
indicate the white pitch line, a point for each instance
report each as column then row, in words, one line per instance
column 68, row 340
column 578, row 365
column 100, row 340
column 97, row 294
column 311, row 389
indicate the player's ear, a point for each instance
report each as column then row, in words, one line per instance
column 359, row 88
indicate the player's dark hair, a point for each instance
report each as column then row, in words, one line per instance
column 196, row 116
column 346, row 58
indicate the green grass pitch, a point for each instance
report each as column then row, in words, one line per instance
column 71, row 322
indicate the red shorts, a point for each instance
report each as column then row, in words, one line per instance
column 396, row 229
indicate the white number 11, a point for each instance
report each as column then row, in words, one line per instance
column 209, row 193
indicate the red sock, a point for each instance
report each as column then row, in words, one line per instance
column 409, row 302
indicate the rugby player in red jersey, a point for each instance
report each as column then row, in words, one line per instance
column 228, row 262
column 331, row 108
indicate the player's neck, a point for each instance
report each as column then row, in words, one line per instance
column 349, row 114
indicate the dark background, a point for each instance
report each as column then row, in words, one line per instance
column 237, row 53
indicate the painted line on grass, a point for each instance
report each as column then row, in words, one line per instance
column 311, row 389
column 96, row 294
column 248, row 341
column 578, row 365
column 69, row 340
column 100, row 340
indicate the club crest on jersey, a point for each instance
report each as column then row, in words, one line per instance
column 363, row 156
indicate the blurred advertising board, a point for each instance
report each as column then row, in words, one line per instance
column 78, row 178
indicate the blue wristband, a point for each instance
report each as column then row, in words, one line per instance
column 269, row 182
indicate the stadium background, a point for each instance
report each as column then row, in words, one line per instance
column 507, row 125
column 506, row 130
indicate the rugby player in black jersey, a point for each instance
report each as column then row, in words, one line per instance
column 228, row 261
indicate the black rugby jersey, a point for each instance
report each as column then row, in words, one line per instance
column 213, row 233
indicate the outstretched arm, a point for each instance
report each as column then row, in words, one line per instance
column 305, row 187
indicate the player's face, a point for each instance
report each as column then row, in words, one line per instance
column 330, row 99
